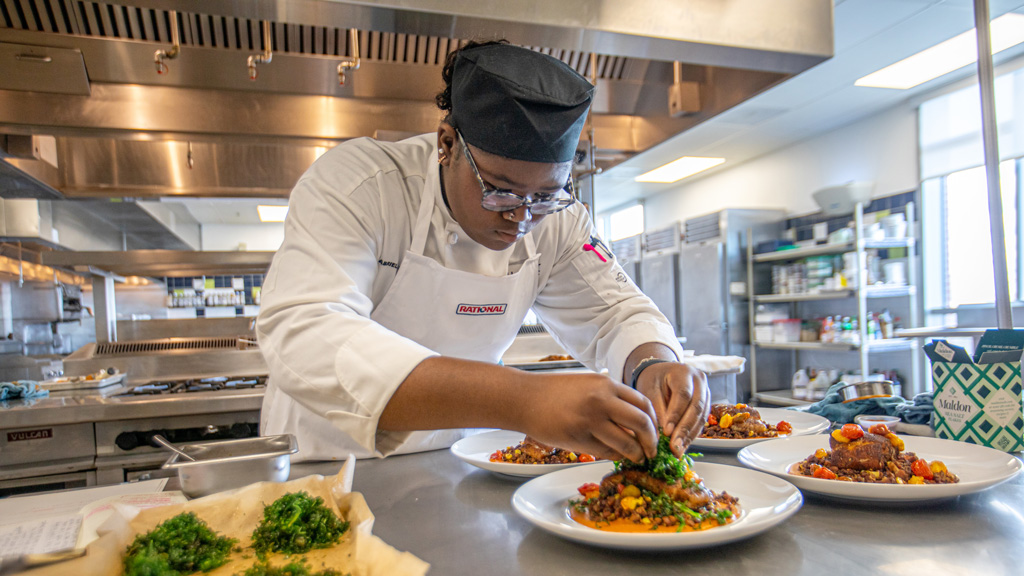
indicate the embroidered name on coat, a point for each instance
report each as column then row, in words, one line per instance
column 481, row 309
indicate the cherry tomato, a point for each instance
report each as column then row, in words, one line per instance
column 921, row 468
column 784, row 427
column 825, row 474
column 586, row 458
column 496, row 456
column 588, row 488
column 852, row 431
column 712, row 421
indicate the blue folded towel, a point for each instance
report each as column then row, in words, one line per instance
column 21, row 389
column 918, row 411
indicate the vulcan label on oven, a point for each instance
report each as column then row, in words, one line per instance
column 20, row 435
column 481, row 309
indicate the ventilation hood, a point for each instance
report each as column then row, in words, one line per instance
column 84, row 73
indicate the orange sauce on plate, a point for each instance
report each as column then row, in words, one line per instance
column 623, row 525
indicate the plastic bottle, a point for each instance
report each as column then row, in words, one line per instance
column 801, row 385
column 885, row 323
column 819, row 386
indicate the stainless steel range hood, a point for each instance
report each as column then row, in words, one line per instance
column 83, row 71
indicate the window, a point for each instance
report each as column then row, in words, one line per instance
column 956, row 237
column 626, row 223
column 965, row 264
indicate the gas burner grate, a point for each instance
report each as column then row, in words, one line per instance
column 188, row 385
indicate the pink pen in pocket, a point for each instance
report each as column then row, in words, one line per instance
column 591, row 248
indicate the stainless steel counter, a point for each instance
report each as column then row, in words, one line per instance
column 460, row 520
column 56, row 410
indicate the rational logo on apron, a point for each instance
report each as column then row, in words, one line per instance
column 481, row 309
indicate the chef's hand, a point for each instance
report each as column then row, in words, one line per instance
column 592, row 413
column 681, row 400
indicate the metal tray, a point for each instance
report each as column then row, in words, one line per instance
column 228, row 464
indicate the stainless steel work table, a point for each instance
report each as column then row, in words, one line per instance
column 460, row 520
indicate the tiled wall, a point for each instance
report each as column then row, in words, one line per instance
column 804, row 225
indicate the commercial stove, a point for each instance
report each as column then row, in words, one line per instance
column 185, row 389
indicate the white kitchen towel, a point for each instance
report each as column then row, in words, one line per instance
column 716, row 364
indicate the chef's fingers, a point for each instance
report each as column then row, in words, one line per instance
column 689, row 398
column 629, row 429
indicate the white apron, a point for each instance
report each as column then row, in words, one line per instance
column 452, row 312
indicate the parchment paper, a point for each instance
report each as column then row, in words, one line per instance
column 236, row 514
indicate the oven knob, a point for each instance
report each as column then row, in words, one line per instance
column 239, row 430
column 127, row 441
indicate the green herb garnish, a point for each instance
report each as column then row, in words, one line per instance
column 664, row 466
column 290, row 569
column 297, row 523
column 181, row 545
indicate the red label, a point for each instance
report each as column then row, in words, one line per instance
column 481, row 309
column 21, row 435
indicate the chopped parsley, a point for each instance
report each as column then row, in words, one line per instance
column 663, row 505
column 290, row 569
column 297, row 523
column 664, row 466
column 180, row 545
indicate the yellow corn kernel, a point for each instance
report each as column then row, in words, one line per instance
column 645, row 520
column 838, row 435
column 741, row 406
column 937, row 467
column 572, row 456
column 874, row 473
column 900, row 480
column 820, row 453
column 630, row 503
column 691, row 476
column 518, row 452
column 896, row 441
column 630, row 491
column 507, row 456
column 916, row 480
column 725, row 421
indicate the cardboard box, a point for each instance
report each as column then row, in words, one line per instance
column 980, row 403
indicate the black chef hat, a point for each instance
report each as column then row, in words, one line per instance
column 518, row 103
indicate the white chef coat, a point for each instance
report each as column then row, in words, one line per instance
column 349, row 225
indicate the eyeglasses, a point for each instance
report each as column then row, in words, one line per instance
column 498, row 200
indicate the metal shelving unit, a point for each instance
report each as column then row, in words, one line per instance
column 860, row 291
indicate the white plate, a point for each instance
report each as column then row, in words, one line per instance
column 803, row 423
column 765, row 501
column 977, row 466
column 477, row 449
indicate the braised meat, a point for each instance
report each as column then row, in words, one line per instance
column 535, row 450
column 719, row 410
column 694, row 496
column 870, row 452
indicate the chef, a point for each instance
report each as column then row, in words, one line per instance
column 407, row 269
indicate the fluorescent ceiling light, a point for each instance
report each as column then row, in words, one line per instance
column 1006, row 31
column 679, row 169
column 269, row 213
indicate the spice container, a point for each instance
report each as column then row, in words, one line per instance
column 866, row 390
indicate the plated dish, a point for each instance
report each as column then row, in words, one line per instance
column 660, row 494
column 875, row 456
column 765, row 501
column 801, row 423
column 477, row 449
column 977, row 467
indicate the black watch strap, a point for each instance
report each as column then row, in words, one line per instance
column 641, row 366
